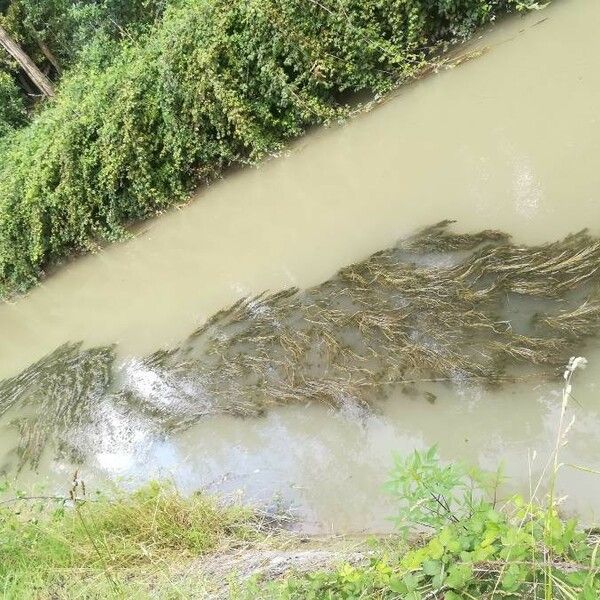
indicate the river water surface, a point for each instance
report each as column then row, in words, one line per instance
column 509, row 139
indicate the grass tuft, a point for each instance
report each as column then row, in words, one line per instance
column 44, row 545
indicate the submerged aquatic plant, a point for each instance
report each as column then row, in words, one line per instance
column 438, row 306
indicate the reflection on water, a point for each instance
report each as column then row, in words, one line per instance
column 330, row 466
column 509, row 140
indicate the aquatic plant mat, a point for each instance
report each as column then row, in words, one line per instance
column 438, row 306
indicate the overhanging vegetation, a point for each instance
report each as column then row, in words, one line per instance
column 214, row 82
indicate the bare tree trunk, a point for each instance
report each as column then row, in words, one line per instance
column 49, row 55
column 37, row 77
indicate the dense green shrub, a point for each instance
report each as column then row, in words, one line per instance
column 12, row 112
column 214, row 82
column 58, row 34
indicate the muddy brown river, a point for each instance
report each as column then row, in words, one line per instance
column 509, row 140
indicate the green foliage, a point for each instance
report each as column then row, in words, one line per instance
column 212, row 83
column 113, row 548
column 12, row 111
column 433, row 495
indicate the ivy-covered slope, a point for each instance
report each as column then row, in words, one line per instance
column 212, row 83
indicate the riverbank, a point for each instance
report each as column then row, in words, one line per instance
column 458, row 538
column 212, row 84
